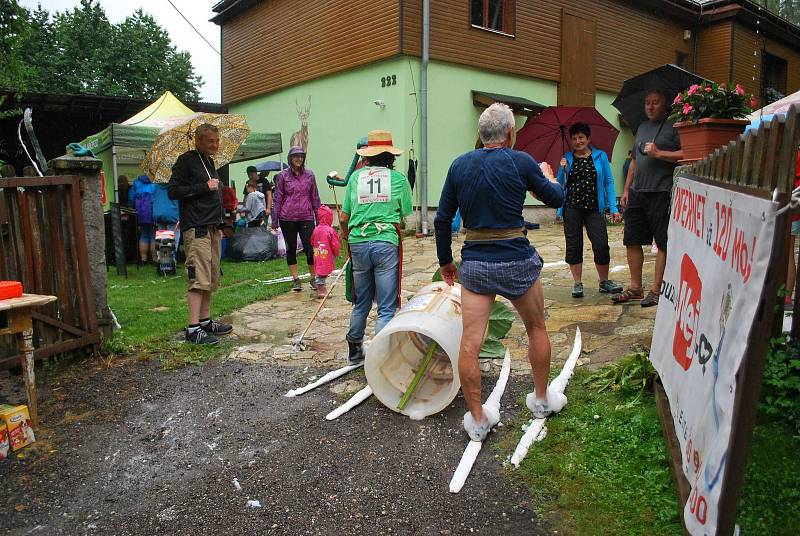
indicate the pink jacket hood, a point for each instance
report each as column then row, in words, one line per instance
column 324, row 215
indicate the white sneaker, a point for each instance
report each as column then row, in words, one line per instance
column 479, row 431
column 542, row 409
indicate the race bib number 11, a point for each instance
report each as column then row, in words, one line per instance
column 374, row 186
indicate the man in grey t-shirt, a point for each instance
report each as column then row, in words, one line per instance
column 646, row 196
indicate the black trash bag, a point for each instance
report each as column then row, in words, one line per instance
column 253, row 244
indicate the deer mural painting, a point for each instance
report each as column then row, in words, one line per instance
column 300, row 137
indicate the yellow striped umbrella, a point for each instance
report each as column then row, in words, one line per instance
column 176, row 140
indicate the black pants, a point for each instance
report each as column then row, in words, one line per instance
column 575, row 219
column 290, row 229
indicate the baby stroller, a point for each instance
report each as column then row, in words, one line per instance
column 165, row 251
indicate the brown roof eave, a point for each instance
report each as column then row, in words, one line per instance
column 749, row 14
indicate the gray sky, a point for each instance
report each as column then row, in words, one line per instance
column 206, row 62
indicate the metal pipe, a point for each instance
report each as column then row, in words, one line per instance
column 423, row 89
column 114, row 171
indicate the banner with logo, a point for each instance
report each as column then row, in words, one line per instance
column 719, row 248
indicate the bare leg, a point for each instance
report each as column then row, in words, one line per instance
column 602, row 271
column 153, row 251
column 661, row 263
column 475, row 310
column 143, row 248
column 577, row 272
column 293, row 270
column 531, row 308
column 635, row 263
column 205, row 306
column 195, row 299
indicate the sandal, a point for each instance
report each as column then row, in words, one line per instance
column 650, row 300
column 630, row 294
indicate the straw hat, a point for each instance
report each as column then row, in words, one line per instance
column 379, row 141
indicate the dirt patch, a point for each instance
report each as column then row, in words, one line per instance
column 164, row 459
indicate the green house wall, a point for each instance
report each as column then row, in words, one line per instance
column 343, row 109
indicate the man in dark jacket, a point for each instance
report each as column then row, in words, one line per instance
column 196, row 186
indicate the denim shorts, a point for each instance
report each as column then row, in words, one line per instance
column 796, row 227
column 510, row 279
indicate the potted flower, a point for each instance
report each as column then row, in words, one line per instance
column 709, row 115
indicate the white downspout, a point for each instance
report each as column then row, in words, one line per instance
column 426, row 39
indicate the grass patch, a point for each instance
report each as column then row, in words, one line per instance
column 152, row 309
column 610, row 475
column 601, row 476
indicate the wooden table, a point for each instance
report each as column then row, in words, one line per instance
column 15, row 319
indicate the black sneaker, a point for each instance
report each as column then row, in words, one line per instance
column 297, row 286
column 355, row 353
column 216, row 328
column 200, row 337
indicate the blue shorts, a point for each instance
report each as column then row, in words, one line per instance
column 796, row 227
column 510, row 279
column 146, row 233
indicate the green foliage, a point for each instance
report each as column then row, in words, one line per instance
column 600, row 470
column 80, row 51
column 781, row 384
column 153, row 312
column 631, row 376
column 720, row 101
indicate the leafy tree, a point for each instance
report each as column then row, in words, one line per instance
column 14, row 74
column 81, row 51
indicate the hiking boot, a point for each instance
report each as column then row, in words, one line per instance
column 356, row 355
column 542, row 409
column 213, row 327
column 610, row 287
column 200, row 336
column 297, row 286
column 313, row 284
column 577, row 290
column 650, row 300
column 479, row 431
column 322, row 291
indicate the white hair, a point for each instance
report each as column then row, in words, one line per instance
column 494, row 123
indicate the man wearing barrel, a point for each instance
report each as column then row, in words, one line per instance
column 488, row 186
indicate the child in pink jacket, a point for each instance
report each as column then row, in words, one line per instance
column 326, row 248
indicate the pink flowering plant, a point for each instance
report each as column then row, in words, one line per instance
column 721, row 101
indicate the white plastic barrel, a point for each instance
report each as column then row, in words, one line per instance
column 397, row 352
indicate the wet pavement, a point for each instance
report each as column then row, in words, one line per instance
column 266, row 329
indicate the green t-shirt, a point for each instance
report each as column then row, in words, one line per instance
column 376, row 198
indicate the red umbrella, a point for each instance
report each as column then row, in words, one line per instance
column 546, row 136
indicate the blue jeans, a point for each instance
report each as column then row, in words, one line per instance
column 375, row 269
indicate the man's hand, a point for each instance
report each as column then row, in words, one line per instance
column 449, row 273
column 623, row 201
column 547, row 171
column 213, row 184
column 651, row 149
column 616, row 217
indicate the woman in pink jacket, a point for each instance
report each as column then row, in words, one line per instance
column 326, row 248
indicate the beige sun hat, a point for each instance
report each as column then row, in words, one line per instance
column 379, row 141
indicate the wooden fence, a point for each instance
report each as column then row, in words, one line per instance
column 43, row 245
column 760, row 163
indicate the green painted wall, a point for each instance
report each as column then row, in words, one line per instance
column 342, row 111
column 625, row 139
column 453, row 118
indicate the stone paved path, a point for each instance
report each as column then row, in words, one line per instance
column 267, row 328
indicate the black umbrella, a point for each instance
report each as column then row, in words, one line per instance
column 669, row 78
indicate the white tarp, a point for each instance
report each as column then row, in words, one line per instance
column 719, row 247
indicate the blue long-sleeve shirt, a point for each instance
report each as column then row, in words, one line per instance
column 489, row 187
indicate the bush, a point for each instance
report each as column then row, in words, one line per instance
column 781, row 384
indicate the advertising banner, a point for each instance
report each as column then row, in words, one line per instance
column 719, row 247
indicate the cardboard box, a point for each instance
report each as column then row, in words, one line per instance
column 3, row 441
column 18, row 424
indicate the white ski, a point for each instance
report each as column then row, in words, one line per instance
column 474, row 447
column 535, row 426
column 355, row 400
column 332, row 375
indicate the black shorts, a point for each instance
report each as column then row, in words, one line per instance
column 647, row 218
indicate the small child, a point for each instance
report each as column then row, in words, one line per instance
column 241, row 220
column 326, row 248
